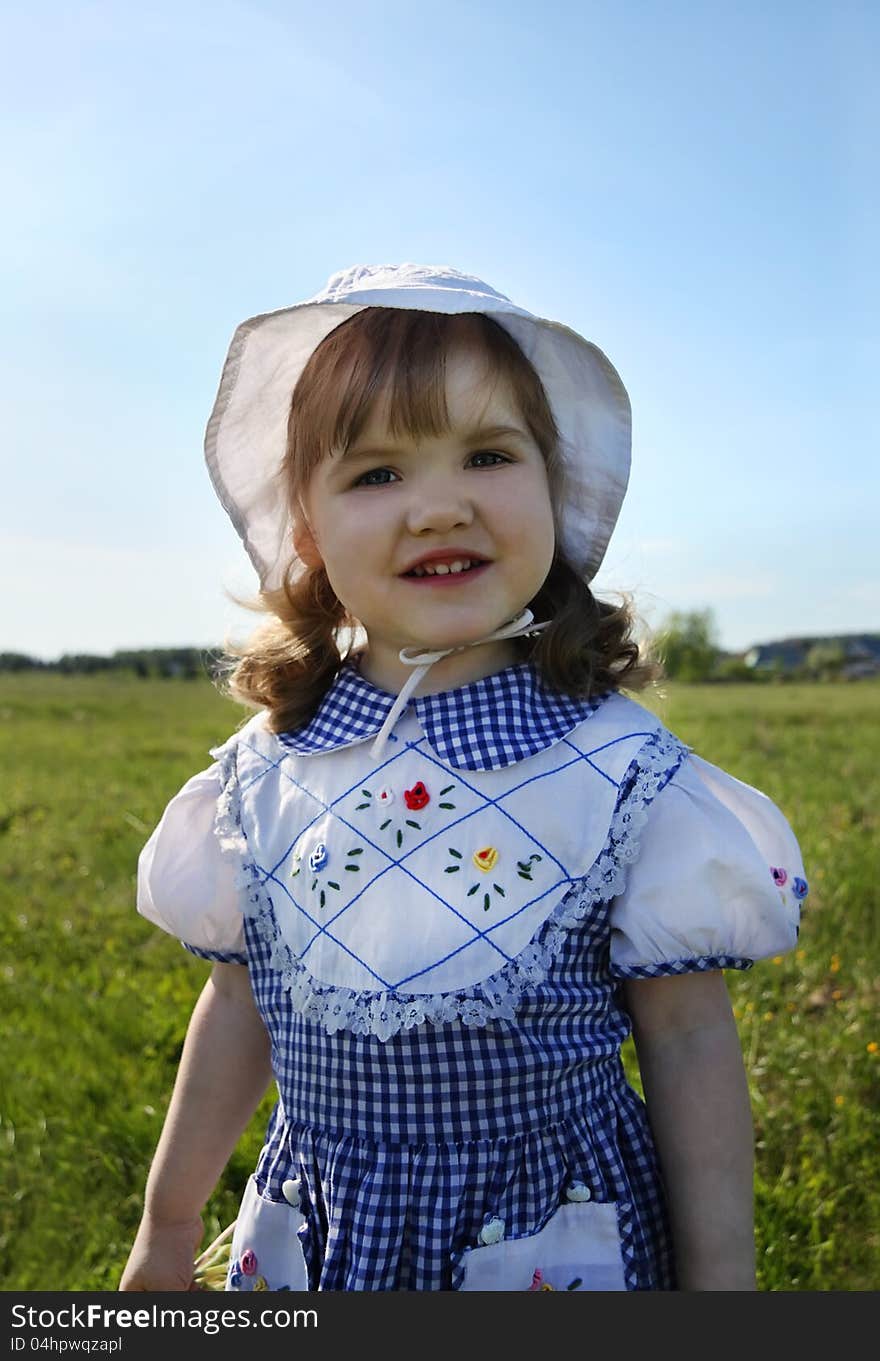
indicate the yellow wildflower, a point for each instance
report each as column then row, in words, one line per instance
column 210, row 1268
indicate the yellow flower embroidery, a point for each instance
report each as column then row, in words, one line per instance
column 486, row 859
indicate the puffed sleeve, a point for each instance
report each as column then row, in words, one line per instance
column 185, row 884
column 718, row 883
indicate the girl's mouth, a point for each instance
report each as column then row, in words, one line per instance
column 444, row 578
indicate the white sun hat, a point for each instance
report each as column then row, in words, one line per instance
column 247, row 432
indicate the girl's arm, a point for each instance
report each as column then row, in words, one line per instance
column 223, row 1075
column 698, row 1102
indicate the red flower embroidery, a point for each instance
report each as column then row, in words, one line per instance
column 417, row 797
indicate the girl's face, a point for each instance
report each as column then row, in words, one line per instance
column 477, row 492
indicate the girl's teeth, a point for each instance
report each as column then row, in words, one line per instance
column 442, row 569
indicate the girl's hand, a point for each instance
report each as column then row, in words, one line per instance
column 223, row 1075
column 162, row 1256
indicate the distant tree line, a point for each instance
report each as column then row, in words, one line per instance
column 179, row 663
column 687, row 645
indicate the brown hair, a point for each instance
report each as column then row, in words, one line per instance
column 398, row 356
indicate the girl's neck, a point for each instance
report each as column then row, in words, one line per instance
column 389, row 673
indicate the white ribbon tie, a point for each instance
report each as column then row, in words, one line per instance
column 521, row 625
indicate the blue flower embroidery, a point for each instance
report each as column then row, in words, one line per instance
column 318, row 858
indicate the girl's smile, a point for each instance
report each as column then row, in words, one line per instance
column 444, row 569
column 435, row 542
column 450, row 579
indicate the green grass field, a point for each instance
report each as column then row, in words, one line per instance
column 95, row 1001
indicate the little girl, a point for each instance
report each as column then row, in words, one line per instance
column 448, row 866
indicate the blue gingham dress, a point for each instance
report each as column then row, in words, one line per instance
column 402, row 1147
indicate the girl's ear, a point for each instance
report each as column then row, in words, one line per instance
column 304, row 541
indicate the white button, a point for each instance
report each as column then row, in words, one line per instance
column 492, row 1232
column 578, row 1191
column 290, row 1191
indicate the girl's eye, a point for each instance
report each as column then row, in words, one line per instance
column 490, row 453
column 374, row 472
column 384, row 477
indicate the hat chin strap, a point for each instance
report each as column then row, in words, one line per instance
column 520, row 626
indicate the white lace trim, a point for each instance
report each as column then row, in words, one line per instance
column 387, row 1013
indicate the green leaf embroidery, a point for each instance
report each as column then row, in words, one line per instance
column 446, row 805
column 360, row 806
column 399, row 837
column 472, row 890
column 524, row 867
column 314, row 884
column 384, row 824
column 359, row 850
column 486, row 903
column 366, row 793
column 499, row 889
column 322, row 897
column 447, row 790
column 353, row 869
column 453, row 851
column 410, row 823
column 330, row 884
column 452, row 869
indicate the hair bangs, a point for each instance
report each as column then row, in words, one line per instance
column 393, row 361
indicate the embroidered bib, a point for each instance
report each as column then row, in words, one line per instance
column 407, row 889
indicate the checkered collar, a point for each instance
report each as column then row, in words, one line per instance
column 484, row 725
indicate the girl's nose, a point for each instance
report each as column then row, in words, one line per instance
column 440, row 506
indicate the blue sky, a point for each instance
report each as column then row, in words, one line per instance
column 687, row 184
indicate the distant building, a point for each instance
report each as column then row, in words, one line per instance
column 861, row 653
